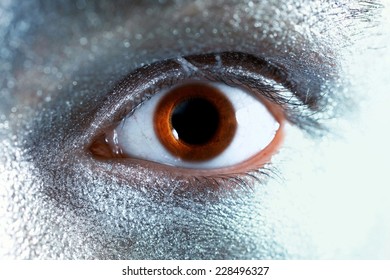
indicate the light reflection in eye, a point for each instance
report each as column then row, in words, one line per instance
column 199, row 125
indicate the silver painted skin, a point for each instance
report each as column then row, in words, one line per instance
column 329, row 200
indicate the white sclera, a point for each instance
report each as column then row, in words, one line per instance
column 256, row 128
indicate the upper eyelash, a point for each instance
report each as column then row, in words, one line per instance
column 272, row 82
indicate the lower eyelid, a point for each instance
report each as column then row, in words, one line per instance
column 153, row 179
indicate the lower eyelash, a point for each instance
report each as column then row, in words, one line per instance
column 230, row 184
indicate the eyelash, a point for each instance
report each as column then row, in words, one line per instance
column 242, row 181
column 259, row 77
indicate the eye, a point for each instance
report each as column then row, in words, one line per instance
column 199, row 125
column 220, row 113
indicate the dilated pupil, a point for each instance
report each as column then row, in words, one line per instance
column 195, row 120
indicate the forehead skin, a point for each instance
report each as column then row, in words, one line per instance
column 59, row 60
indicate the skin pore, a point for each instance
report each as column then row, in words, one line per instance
column 323, row 195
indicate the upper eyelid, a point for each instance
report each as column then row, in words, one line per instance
column 276, row 83
column 269, row 74
column 307, row 98
column 138, row 87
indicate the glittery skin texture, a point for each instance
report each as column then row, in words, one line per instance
column 58, row 62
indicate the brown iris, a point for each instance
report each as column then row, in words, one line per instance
column 195, row 122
